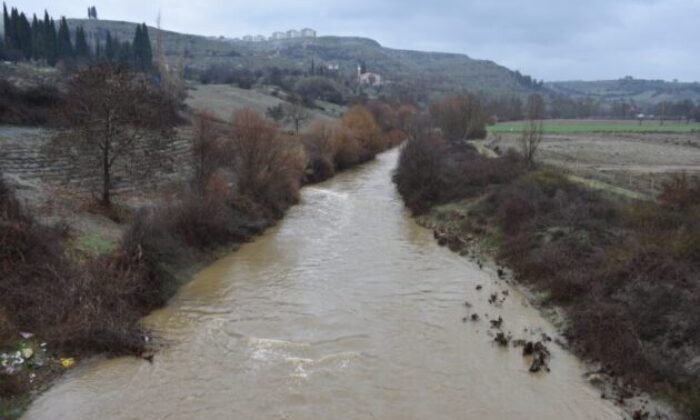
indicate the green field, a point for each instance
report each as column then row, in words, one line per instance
column 599, row 126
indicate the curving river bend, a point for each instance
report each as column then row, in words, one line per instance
column 347, row 309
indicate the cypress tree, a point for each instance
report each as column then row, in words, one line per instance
column 6, row 24
column 141, row 49
column 147, row 54
column 99, row 52
column 24, row 35
column 137, row 47
column 125, row 53
column 9, row 25
column 38, row 45
column 11, row 37
column 65, row 47
column 50, row 39
column 110, row 48
column 82, row 50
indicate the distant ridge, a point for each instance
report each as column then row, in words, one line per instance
column 441, row 72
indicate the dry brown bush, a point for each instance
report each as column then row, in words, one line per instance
column 419, row 173
column 358, row 138
column 33, row 106
column 681, row 192
column 321, row 148
column 210, row 150
column 269, row 166
column 460, row 117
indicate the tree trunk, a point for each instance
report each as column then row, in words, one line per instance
column 106, row 199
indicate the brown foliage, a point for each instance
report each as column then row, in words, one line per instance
column 269, row 166
column 432, row 171
column 358, row 138
column 633, row 306
column 33, row 106
column 43, row 292
column 681, row 192
column 321, row 148
column 419, row 173
column 460, row 117
column 210, row 151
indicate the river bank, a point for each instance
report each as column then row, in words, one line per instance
column 346, row 308
column 482, row 249
column 58, row 309
column 637, row 332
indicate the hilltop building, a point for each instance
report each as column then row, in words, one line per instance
column 368, row 78
column 308, row 33
column 278, row 35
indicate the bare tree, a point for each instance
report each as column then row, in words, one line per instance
column 114, row 119
column 533, row 130
column 296, row 114
column 210, row 150
column 171, row 76
column 276, row 113
column 460, row 117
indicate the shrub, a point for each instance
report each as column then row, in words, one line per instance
column 460, row 117
column 43, row 292
column 418, row 175
column 358, row 138
column 312, row 88
column 321, row 148
column 33, row 106
column 681, row 192
column 268, row 166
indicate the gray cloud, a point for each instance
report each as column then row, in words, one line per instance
column 549, row 39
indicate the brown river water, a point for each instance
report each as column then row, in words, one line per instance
column 346, row 310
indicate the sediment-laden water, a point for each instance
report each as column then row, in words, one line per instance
column 346, row 310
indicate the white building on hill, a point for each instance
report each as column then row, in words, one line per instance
column 368, row 78
column 278, row 35
column 308, row 33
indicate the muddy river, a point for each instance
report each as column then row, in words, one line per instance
column 346, row 310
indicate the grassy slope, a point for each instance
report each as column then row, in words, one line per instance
column 441, row 71
column 648, row 91
column 222, row 100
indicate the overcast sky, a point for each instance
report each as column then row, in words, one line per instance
column 548, row 39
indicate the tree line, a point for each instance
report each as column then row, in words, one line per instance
column 43, row 40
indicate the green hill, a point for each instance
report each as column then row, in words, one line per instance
column 439, row 72
column 629, row 89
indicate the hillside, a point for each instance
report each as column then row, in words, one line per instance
column 441, row 72
column 629, row 89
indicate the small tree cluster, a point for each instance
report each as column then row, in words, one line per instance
column 92, row 12
column 460, row 117
column 43, row 40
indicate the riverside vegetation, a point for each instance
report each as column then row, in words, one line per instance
column 626, row 272
column 245, row 174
